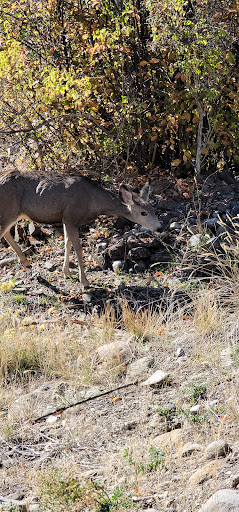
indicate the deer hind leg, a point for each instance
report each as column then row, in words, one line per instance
column 7, row 235
column 72, row 237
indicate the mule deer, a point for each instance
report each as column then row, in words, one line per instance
column 74, row 201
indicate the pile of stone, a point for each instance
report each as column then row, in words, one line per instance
column 134, row 251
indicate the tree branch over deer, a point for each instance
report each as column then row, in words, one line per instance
column 74, row 201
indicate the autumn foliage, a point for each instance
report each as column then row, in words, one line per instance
column 120, row 86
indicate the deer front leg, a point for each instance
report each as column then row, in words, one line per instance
column 72, row 236
column 23, row 259
column 67, row 253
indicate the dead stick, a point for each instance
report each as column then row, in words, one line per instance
column 60, row 411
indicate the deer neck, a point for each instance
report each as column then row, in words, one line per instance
column 115, row 207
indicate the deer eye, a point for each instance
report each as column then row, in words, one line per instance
column 144, row 214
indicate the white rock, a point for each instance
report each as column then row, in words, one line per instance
column 159, row 377
column 195, row 409
column 86, row 297
column 52, row 419
column 180, row 352
column 117, row 265
column 195, row 240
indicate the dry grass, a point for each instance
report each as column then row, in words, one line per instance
column 122, row 462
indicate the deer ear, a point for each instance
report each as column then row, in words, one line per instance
column 125, row 195
column 145, row 191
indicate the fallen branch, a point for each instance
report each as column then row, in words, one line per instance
column 62, row 409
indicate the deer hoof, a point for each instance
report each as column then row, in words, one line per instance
column 27, row 263
column 85, row 285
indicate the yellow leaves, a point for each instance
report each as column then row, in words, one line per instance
column 51, row 4
column 217, row 15
column 143, row 63
column 186, row 116
column 95, row 3
column 93, row 105
column 176, row 162
column 186, row 156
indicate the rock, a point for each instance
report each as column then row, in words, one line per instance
column 34, row 229
column 170, row 409
column 190, row 448
column 235, row 481
column 151, row 510
column 9, row 504
column 6, row 261
column 158, row 378
column 180, row 352
column 173, row 437
column 222, row 230
column 175, row 225
column 52, row 419
column 139, row 253
column 205, row 472
column 138, row 368
column 117, row 251
column 91, row 392
column 195, row 409
column 160, row 256
column 118, row 351
column 140, row 267
column 152, row 242
column 102, row 259
column 195, row 241
column 129, row 425
column 132, row 242
column 210, row 223
column 34, row 506
column 86, row 297
column 168, row 204
column 222, row 207
column 117, row 265
column 225, row 500
column 217, row 449
column 235, row 210
column 102, row 246
column 226, row 356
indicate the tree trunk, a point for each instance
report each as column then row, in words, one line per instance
column 199, row 137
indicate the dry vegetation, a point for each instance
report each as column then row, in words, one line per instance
column 107, row 454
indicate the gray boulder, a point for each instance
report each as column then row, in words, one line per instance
column 225, row 500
